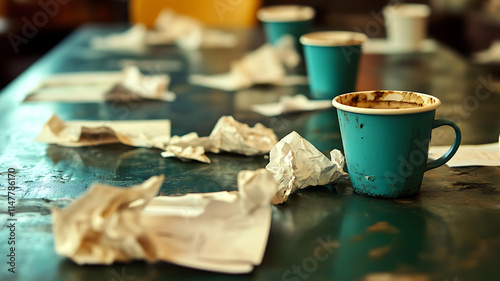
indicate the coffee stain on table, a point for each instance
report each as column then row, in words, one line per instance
column 377, row 253
column 382, row 226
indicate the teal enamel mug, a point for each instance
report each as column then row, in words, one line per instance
column 332, row 62
column 386, row 136
column 286, row 20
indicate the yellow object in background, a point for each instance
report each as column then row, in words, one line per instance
column 3, row 8
column 218, row 13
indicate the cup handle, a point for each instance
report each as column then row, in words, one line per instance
column 447, row 156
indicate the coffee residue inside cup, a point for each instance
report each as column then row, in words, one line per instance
column 380, row 100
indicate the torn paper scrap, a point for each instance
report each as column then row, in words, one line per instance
column 297, row 164
column 170, row 28
column 147, row 133
column 126, row 86
column 104, row 225
column 186, row 153
column 133, row 39
column 220, row 231
column 288, row 104
column 232, row 136
column 258, row 186
column 187, row 32
column 228, row 135
column 134, row 86
column 470, row 155
column 266, row 65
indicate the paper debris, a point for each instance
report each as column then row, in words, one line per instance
column 232, row 136
column 128, row 85
column 170, row 28
column 220, row 231
column 228, row 135
column 147, row 133
column 289, row 104
column 188, row 33
column 266, row 65
column 104, row 225
column 297, row 164
column 134, row 39
column 135, row 86
column 470, row 155
column 186, row 153
column 383, row 46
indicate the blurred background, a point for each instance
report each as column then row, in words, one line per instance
column 466, row 26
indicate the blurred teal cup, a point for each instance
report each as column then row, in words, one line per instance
column 386, row 136
column 332, row 61
column 283, row 20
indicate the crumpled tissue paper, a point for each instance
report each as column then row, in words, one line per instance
column 220, row 231
column 125, row 86
column 296, row 164
column 170, row 28
column 134, row 86
column 228, row 135
column 133, row 40
column 266, row 65
column 144, row 133
column 289, row 104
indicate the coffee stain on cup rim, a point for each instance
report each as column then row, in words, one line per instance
column 386, row 102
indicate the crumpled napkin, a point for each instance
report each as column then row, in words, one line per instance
column 147, row 133
column 289, row 104
column 296, row 164
column 170, row 28
column 128, row 85
column 133, row 39
column 104, row 225
column 228, row 135
column 187, row 32
column 135, row 86
column 220, row 231
column 266, row 65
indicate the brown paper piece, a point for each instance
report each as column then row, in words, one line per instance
column 147, row 133
column 126, row 86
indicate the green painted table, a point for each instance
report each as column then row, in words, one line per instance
column 450, row 231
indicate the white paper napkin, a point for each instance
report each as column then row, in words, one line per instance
column 147, row 133
column 221, row 231
column 170, row 28
column 289, row 104
column 470, row 155
column 228, row 135
column 297, row 164
column 266, row 65
column 128, row 85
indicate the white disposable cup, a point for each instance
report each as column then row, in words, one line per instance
column 406, row 25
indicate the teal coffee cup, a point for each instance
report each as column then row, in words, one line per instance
column 286, row 20
column 386, row 137
column 332, row 60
